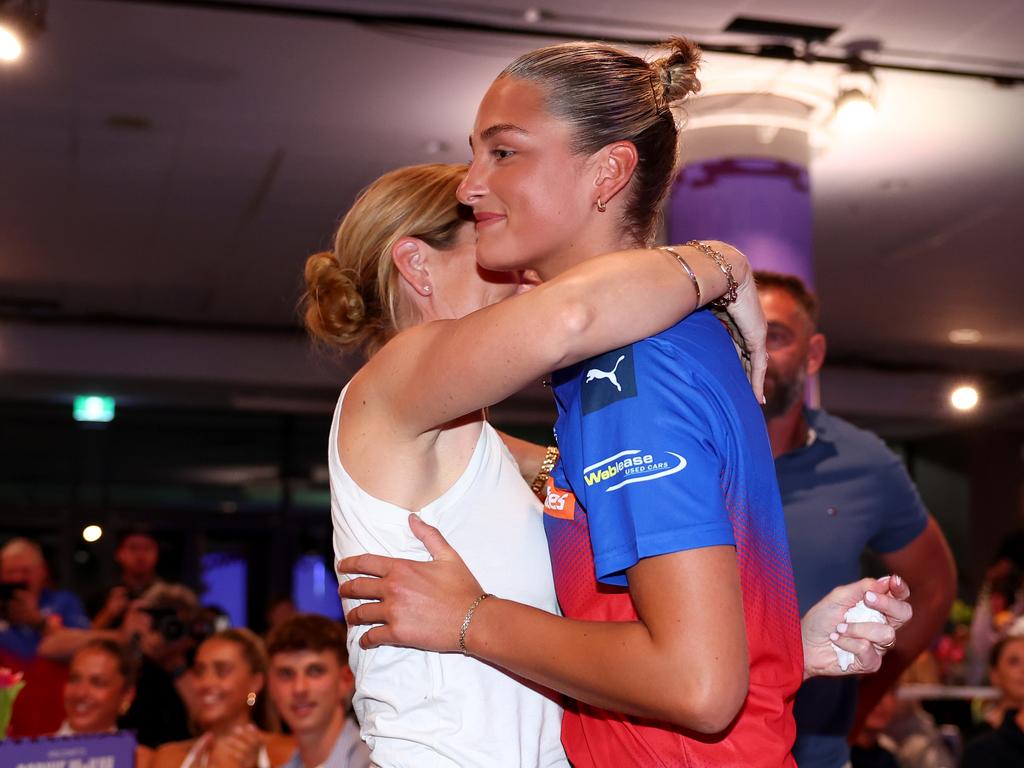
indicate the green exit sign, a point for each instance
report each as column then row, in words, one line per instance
column 93, row 408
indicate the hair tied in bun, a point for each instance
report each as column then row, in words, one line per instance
column 659, row 103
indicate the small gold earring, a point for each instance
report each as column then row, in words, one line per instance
column 601, row 207
column 251, row 699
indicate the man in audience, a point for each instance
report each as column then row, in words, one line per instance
column 311, row 685
column 28, row 612
column 137, row 555
column 27, row 608
column 843, row 492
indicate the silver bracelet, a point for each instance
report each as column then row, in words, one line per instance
column 469, row 617
column 686, row 269
column 731, row 286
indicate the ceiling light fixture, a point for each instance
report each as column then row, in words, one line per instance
column 855, row 109
column 965, row 336
column 10, row 44
column 19, row 20
column 965, row 398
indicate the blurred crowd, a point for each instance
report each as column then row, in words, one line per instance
column 151, row 659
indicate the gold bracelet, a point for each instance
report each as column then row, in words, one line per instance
column 731, row 286
column 469, row 617
column 686, row 269
column 550, row 457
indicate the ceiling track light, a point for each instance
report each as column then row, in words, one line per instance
column 20, row 20
column 857, row 97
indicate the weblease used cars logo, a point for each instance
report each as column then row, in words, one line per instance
column 632, row 466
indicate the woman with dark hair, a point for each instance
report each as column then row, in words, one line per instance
column 663, row 517
column 1002, row 741
column 231, row 709
column 99, row 689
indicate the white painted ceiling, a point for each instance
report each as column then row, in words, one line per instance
column 160, row 162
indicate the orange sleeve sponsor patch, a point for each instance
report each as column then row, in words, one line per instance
column 558, row 502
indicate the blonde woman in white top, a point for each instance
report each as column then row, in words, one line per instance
column 409, row 434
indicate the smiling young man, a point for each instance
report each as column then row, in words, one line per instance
column 311, row 685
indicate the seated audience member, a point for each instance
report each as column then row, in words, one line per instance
column 28, row 612
column 100, row 687
column 137, row 555
column 229, row 674
column 311, row 685
column 1003, row 745
column 1006, row 673
column 27, row 607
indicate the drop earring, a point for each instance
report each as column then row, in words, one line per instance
column 251, row 699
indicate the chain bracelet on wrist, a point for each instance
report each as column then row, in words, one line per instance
column 469, row 618
column 731, row 286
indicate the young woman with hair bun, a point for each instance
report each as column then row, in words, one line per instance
column 445, row 339
column 681, row 641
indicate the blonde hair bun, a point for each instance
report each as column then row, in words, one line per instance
column 678, row 70
column 335, row 312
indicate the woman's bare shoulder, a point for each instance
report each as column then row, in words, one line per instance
column 171, row 754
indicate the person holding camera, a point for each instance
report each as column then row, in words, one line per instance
column 27, row 608
column 162, row 625
column 29, row 612
column 137, row 556
column 163, row 628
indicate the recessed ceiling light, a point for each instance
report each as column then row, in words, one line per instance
column 964, row 398
column 10, row 45
column 965, row 336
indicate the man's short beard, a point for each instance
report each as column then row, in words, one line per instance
column 784, row 394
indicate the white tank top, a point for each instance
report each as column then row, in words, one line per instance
column 423, row 709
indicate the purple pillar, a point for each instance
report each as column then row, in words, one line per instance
column 763, row 207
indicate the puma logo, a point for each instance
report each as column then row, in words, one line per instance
column 596, row 373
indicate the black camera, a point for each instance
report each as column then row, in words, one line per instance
column 168, row 623
column 8, row 588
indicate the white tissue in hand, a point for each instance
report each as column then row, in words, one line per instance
column 858, row 613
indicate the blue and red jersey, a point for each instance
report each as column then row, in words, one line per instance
column 664, row 449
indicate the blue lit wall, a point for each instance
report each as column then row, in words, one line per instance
column 315, row 588
column 226, row 578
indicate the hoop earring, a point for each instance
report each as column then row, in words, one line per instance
column 601, row 207
column 251, row 699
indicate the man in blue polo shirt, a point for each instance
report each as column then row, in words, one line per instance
column 27, row 607
column 843, row 492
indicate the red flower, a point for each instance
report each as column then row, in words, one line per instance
column 9, row 679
